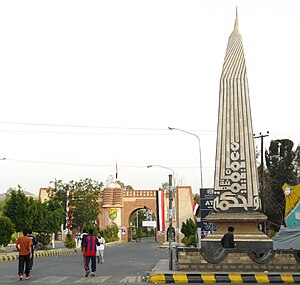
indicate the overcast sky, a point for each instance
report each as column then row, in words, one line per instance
column 86, row 84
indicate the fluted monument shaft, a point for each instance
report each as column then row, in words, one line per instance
column 236, row 177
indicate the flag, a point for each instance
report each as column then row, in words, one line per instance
column 196, row 208
column 160, row 208
column 116, row 171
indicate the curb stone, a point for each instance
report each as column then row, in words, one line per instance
column 5, row 257
column 39, row 253
column 234, row 278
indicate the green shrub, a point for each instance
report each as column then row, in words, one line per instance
column 70, row 243
column 190, row 241
column 189, row 230
column 110, row 233
column 43, row 239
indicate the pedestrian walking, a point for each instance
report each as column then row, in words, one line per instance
column 227, row 240
column 34, row 242
column 100, row 248
column 83, row 237
column 23, row 245
column 90, row 244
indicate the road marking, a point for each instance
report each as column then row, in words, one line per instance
column 131, row 279
column 51, row 279
column 96, row 279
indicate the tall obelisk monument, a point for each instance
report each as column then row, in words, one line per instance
column 236, row 193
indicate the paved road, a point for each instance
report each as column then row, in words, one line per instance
column 124, row 263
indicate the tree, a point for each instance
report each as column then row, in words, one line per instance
column 55, row 216
column 6, row 230
column 123, row 186
column 59, row 193
column 281, row 168
column 197, row 198
column 16, row 208
column 2, row 204
column 297, row 163
column 82, row 198
column 33, row 217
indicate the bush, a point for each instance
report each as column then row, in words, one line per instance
column 43, row 239
column 189, row 230
column 190, row 241
column 70, row 243
column 110, row 233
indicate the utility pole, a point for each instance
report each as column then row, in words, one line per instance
column 261, row 137
column 170, row 223
column 199, row 230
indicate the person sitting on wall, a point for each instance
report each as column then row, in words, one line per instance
column 227, row 240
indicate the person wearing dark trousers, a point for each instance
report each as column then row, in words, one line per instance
column 23, row 245
column 90, row 244
column 83, row 237
column 227, row 240
column 34, row 242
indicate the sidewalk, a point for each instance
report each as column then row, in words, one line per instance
column 14, row 255
column 161, row 274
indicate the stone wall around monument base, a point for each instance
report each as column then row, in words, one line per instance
column 191, row 260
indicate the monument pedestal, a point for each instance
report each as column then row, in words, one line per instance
column 246, row 232
column 247, row 236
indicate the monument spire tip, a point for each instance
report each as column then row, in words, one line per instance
column 236, row 24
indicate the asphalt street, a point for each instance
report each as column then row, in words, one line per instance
column 124, row 263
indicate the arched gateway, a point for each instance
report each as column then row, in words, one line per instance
column 117, row 205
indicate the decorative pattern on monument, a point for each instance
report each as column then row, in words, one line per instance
column 236, row 178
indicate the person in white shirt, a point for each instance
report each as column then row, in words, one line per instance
column 100, row 248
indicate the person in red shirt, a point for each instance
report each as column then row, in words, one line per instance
column 23, row 245
column 89, row 246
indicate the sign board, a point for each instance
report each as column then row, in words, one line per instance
column 149, row 224
column 206, row 206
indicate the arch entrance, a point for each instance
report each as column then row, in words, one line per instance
column 119, row 206
column 142, row 223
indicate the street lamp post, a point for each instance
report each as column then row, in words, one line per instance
column 200, row 169
column 169, row 214
column 155, row 165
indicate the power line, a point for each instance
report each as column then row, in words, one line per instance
column 92, row 126
column 80, row 126
column 203, row 132
column 81, row 133
column 93, row 165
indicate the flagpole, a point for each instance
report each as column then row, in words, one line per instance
column 116, row 170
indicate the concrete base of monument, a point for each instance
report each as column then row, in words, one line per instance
column 247, row 237
column 237, row 261
column 246, row 232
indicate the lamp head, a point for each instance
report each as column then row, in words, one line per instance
column 170, row 128
column 148, row 166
